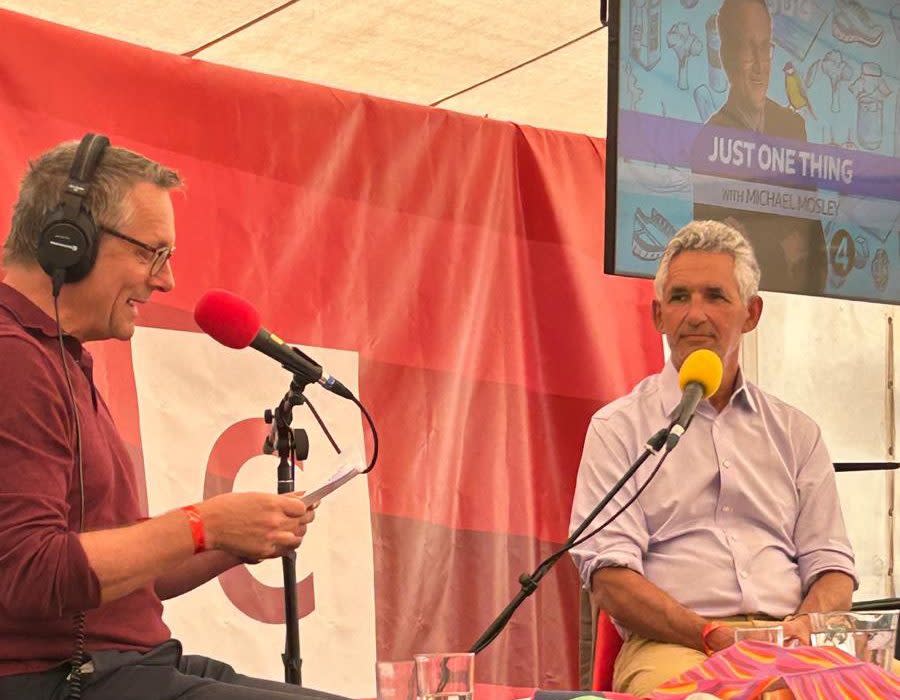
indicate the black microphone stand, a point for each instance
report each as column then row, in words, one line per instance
column 530, row 583
column 285, row 441
column 291, row 444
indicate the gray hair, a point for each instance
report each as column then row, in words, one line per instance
column 713, row 237
column 42, row 187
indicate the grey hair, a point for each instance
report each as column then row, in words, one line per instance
column 42, row 186
column 713, row 237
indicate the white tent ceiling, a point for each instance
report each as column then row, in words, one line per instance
column 536, row 62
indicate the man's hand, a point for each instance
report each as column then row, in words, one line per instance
column 831, row 590
column 797, row 630
column 161, row 549
column 255, row 525
column 720, row 638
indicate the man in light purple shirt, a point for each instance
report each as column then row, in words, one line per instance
column 743, row 519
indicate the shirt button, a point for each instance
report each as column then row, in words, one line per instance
column 726, row 509
column 726, row 464
column 743, row 574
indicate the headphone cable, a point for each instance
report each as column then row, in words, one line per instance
column 78, row 620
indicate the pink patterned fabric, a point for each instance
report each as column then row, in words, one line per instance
column 745, row 670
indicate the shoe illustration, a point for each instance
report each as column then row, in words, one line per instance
column 650, row 234
column 853, row 23
column 660, row 179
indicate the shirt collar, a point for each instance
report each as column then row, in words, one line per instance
column 671, row 391
column 32, row 318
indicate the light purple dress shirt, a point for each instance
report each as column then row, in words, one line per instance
column 742, row 516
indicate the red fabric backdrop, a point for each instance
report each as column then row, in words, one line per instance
column 460, row 257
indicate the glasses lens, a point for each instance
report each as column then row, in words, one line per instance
column 162, row 255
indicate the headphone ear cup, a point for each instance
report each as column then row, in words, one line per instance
column 68, row 244
column 85, row 264
column 68, row 240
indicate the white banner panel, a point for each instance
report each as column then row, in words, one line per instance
column 195, row 405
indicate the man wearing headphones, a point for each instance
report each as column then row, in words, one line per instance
column 83, row 572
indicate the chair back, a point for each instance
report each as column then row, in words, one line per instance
column 607, row 643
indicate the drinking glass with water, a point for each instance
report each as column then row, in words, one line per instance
column 869, row 636
column 445, row 676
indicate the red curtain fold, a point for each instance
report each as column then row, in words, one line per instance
column 460, row 257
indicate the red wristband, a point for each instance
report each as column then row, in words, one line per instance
column 198, row 533
column 707, row 630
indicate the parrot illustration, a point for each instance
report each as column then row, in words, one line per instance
column 795, row 90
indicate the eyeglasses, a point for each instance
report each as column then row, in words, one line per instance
column 159, row 255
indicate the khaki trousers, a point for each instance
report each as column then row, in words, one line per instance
column 644, row 664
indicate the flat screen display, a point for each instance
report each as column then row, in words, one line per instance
column 780, row 117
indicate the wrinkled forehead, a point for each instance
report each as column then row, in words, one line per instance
column 699, row 270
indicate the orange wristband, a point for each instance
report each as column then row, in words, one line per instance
column 198, row 533
column 707, row 630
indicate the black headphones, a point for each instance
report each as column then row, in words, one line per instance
column 67, row 247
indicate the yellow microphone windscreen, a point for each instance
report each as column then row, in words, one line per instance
column 704, row 367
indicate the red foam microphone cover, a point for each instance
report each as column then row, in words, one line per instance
column 227, row 318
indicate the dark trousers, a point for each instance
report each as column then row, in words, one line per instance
column 162, row 673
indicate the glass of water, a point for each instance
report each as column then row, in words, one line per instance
column 771, row 634
column 396, row 680
column 445, row 676
column 869, row 636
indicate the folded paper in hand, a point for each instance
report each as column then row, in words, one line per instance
column 339, row 478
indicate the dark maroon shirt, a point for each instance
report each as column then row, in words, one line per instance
column 45, row 576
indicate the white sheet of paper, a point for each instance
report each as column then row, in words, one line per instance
column 339, row 478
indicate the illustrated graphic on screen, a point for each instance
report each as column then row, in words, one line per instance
column 685, row 44
column 650, row 234
column 853, row 23
column 779, row 117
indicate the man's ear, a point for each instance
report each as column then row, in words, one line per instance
column 754, row 311
column 657, row 315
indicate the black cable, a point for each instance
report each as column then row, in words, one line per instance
column 553, row 558
column 245, row 25
column 78, row 456
column 621, row 510
column 348, row 395
column 78, row 620
column 374, row 433
column 74, row 678
column 516, row 67
column 652, row 447
column 530, row 583
column 321, row 423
